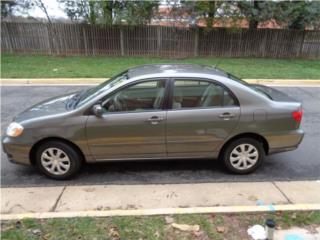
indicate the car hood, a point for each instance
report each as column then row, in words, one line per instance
column 52, row 106
column 275, row 94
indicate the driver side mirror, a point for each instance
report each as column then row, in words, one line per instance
column 97, row 110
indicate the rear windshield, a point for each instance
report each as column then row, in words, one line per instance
column 258, row 90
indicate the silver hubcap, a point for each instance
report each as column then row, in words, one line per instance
column 55, row 161
column 244, row 156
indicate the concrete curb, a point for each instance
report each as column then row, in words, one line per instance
column 163, row 211
column 92, row 81
column 158, row 199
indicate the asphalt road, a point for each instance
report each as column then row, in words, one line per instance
column 301, row 164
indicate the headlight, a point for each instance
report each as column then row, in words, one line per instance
column 14, row 129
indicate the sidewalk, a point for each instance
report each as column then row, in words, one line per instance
column 121, row 200
column 92, row 81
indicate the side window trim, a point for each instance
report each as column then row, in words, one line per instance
column 171, row 93
column 163, row 107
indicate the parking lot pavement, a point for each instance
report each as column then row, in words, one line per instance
column 301, row 164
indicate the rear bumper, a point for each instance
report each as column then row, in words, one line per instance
column 284, row 141
column 16, row 152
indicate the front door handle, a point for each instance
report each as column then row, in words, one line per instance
column 226, row 115
column 155, row 120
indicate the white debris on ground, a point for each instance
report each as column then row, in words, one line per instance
column 257, row 232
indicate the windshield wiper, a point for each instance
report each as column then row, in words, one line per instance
column 79, row 98
column 71, row 103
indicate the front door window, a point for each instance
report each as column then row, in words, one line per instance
column 143, row 96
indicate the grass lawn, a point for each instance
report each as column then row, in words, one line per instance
column 35, row 66
column 212, row 226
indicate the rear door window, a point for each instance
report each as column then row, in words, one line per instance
column 200, row 94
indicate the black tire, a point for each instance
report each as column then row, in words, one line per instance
column 226, row 156
column 75, row 159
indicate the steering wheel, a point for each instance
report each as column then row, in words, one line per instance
column 120, row 101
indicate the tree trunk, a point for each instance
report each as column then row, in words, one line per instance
column 253, row 23
column 107, row 12
column 92, row 13
column 211, row 12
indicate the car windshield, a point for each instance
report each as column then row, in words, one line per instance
column 95, row 91
column 258, row 90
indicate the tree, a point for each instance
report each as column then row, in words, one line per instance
column 24, row 7
column 7, row 8
column 291, row 14
column 80, row 10
column 256, row 11
column 298, row 14
column 110, row 12
column 137, row 12
column 208, row 10
column 41, row 5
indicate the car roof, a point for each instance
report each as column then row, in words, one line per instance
column 174, row 69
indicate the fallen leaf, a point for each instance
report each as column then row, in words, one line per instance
column 198, row 233
column 36, row 232
column 114, row 233
column 169, row 220
column 186, row 228
column 252, row 198
column 99, row 208
column 18, row 224
column 220, row 229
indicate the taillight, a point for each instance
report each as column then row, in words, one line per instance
column 297, row 115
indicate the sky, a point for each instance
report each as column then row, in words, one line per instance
column 53, row 8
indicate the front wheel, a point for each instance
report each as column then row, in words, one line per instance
column 243, row 155
column 58, row 160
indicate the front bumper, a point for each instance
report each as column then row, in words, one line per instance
column 16, row 152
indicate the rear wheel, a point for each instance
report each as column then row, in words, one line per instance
column 243, row 155
column 58, row 160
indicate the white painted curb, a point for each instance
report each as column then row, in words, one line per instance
column 164, row 211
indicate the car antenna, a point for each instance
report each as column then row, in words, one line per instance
column 218, row 63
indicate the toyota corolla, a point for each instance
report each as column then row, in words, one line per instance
column 169, row 111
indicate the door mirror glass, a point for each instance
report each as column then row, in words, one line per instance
column 97, row 110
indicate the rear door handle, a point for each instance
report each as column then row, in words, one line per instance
column 226, row 115
column 155, row 120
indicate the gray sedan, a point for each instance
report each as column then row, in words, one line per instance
column 169, row 111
